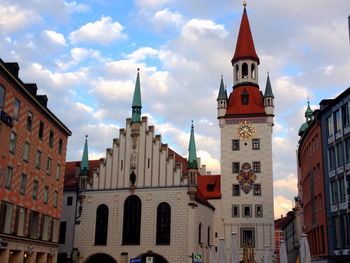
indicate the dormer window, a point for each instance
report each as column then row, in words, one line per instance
column 245, row 97
column 245, row 71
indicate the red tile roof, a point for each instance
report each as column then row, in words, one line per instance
column 204, row 180
column 255, row 104
column 283, row 222
column 245, row 48
column 71, row 175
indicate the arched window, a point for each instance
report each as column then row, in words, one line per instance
column 101, row 228
column 244, row 70
column 253, row 71
column 132, row 221
column 200, row 233
column 208, row 235
column 237, row 72
column 163, row 224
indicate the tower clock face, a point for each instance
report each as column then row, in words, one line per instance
column 246, row 129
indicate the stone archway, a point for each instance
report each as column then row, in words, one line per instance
column 99, row 258
column 156, row 257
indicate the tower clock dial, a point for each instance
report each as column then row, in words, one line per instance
column 246, row 130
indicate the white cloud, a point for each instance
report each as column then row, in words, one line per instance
column 165, row 17
column 149, row 4
column 288, row 184
column 56, row 38
column 196, row 27
column 103, row 31
column 14, row 18
column 75, row 7
column 142, row 53
column 114, row 89
column 282, row 206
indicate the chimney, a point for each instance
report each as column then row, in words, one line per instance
column 32, row 88
column 13, row 68
column 42, row 100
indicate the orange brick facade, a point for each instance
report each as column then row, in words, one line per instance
column 40, row 163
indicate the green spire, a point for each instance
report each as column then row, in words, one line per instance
column 136, row 102
column 308, row 113
column 268, row 89
column 192, row 155
column 222, row 91
column 84, row 165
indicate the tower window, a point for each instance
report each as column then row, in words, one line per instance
column 247, row 237
column 235, row 210
column 256, row 144
column 257, row 189
column 235, row 167
column 245, row 97
column 247, row 210
column 235, row 145
column 258, row 210
column 236, row 72
column 256, row 167
column 244, row 70
column 235, row 190
column 253, row 71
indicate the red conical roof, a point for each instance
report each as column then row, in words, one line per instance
column 245, row 48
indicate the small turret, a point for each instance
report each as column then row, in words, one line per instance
column 136, row 102
column 192, row 171
column 222, row 99
column 84, row 168
column 309, row 116
column 269, row 101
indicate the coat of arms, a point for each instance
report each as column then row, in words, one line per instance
column 246, row 178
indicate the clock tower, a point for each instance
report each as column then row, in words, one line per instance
column 246, row 120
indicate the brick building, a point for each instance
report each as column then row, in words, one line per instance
column 32, row 158
column 312, row 185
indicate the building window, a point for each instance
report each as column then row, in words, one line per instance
column 235, row 167
column 346, row 114
column 257, row 189
column 55, row 230
column 342, row 195
column 35, row 189
column 16, row 109
column 46, row 194
column 258, row 211
column 132, row 221
column 26, row 152
column 256, row 167
column 13, row 141
column 55, row 199
column 247, row 237
column 235, row 210
column 235, row 190
column 29, row 121
column 200, row 233
column 69, row 200
column 330, row 125
column 38, row 160
column 22, row 184
column 237, row 72
column 62, row 237
column 245, row 98
column 210, row 187
column 163, row 224
column 247, row 210
column 256, row 144
column 6, row 217
column 51, row 137
column 340, row 153
column 8, row 177
column 345, row 230
column 34, row 225
column 58, row 172
column 2, row 96
column 21, row 214
column 334, row 192
column 60, row 145
column 101, row 228
column 41, row 130
column 48, row 166
column 235, row 145
column 336, row 232
column 45, row 226
column 331, row 158
column 337, row 120
column 253, row 71
column 347, row 149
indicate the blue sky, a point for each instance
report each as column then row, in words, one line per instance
column 84, row 56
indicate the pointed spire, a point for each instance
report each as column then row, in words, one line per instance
column 84, row 165
column 268, row 89
column 222, row 91
column 308, row 113
column 136, row 102
column 192, row 154
column 245, row 48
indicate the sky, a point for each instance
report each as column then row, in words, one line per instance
column 84, row 56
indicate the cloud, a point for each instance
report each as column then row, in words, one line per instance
column 282, row 206
column 151, row 4
column 143, row 53
column 13, row 18
column 164, row 18
column 103, row 31
column 55, row 37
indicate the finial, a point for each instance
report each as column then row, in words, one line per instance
column 86, row 136
column 138, row 69
column 268, row 73
column 222, row 76
column 244, row 3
